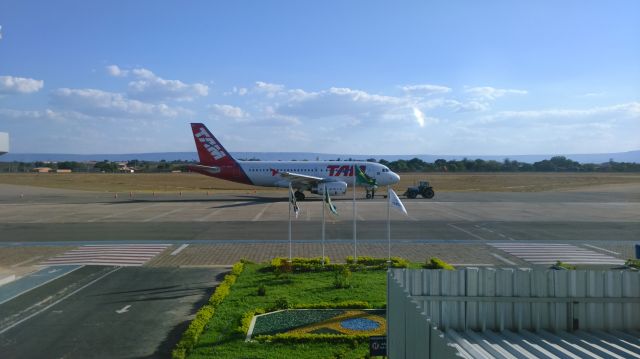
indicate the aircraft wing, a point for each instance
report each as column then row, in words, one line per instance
column 300, row 179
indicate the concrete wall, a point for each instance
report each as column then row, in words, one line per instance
column 4, row 143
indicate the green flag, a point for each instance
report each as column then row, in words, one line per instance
column 327, row 201
column 362, row 178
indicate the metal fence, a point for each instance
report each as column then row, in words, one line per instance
column 423, row 303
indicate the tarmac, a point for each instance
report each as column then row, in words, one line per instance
column 82, row 310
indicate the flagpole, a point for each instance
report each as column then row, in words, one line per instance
column 389, row 224
column 355, row 242
column 322, row 203
column 290, row 191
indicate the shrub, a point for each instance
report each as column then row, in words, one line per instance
column 282, row 265
column 563, row 266
column 437, row 263
column 378, row 263
column 190, row 336
column 635, row 263
column 342, row 278
column 245, row 321
column 282, row 303
column 262, row 290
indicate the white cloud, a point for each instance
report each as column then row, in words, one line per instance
column 426, row 89
column 116, row 71
column 492, row 93
column 228, row 111
column 19, row 85
column 269, row 89
column 109, row 104
column 151, row 87
column 423, row 120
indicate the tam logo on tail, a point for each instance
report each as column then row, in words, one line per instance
column 210, row 144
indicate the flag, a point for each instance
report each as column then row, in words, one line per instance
column 395, row 202
column 294, row 203
column 327, row 201
column 362, row 178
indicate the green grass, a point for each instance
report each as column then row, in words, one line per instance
column 222, row 339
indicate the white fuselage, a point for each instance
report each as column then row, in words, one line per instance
column 262, row 173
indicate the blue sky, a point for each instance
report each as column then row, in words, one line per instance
column 356, row 77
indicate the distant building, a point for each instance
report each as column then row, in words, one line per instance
column 4, row 143
column 63, row 171
column 41, row 169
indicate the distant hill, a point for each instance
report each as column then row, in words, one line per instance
column 631, row 156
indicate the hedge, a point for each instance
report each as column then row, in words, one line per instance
column 281, row 264
column 635, row 263
column 396, row 262
column 245, row 321
column 190, row 336
column 437, row 263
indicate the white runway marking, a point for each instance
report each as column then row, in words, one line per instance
column 259, row 215
column 179, row 249
column 162, row 215
column 209, row 216
column 120, row 213
column 26, row 261
column 550, row 253
column 467, row 232
column 124, row 309
column 115, row 255
column 602, row 249
column 58, row 301
column 503, row 259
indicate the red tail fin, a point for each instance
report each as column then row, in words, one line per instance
column 210, row 151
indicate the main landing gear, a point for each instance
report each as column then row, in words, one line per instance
column 371, row 192
column 299, row 196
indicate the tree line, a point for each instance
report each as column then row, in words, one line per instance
column 554, row 164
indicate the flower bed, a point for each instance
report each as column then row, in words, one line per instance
column 304, row 322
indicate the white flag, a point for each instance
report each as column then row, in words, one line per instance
column 395, row 202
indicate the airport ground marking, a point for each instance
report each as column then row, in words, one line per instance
column 503, row 259
column 124, row 309
column 162, row 215
column 259, row 215
column 32, row 259
column 120, row 213
column 210, row 215
column 41, row 284
column 179, row 249
column 601, row 249
column 465, row 231
column 57, row 301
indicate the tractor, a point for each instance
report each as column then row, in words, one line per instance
column 424, row 189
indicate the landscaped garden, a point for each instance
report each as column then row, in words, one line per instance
column 336, row 322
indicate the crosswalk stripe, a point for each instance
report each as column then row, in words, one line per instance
column 118, row 255
column 549, row 253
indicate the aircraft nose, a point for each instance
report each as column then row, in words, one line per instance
column 395, row 178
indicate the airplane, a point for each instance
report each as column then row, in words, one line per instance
column 312, row 176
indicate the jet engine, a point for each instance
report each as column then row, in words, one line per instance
column 337, row 188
